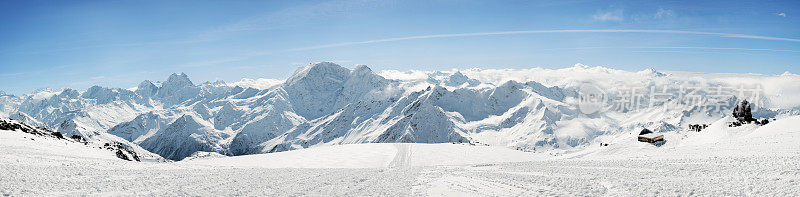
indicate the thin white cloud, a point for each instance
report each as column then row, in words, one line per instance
column 662, row 13
column 728, row 35
column 719, row 48
column 615, row 15
column 701, row 52
column 680, row 47
column 781, row 14
column 10, row 74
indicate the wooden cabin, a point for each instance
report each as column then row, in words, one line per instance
column 648, row 136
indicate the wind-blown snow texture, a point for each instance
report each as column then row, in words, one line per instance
column 325, row 104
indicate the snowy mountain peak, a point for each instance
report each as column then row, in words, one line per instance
column 259, row 83
column 511, row 84
column 458, row 78
column 47, row 93
column 69, row 93
column 186, row 120
column 652, row 72
column 178, row 80
column 321, row 88
column 106, row 95
column 184, row 136
column 458, row 74
column 320, row 71
column 177, row 89
column 146, row 83
column 93, row 90
column 146, row 88
column 216, row 83
column 362, row 70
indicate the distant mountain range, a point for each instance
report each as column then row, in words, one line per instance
column 325, row 104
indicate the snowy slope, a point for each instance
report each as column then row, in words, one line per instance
column 18, row 137
column 22, row 143
column 760, row 161
column 774, row 139
column 375, row 155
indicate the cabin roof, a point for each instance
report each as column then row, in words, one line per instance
column 645, row 131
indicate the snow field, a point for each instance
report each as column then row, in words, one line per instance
column 377, row 155
column 35, row 169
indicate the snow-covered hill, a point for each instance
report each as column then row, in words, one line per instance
column 324, row 104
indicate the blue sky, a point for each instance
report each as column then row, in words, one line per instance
column 77, row 44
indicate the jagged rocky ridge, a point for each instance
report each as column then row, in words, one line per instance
column 121, row 151
column 326, row 104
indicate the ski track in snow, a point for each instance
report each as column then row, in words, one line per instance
column 402, row 157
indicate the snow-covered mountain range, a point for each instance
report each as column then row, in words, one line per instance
column 325, row 104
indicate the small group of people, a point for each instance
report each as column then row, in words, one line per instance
column 697, row 127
